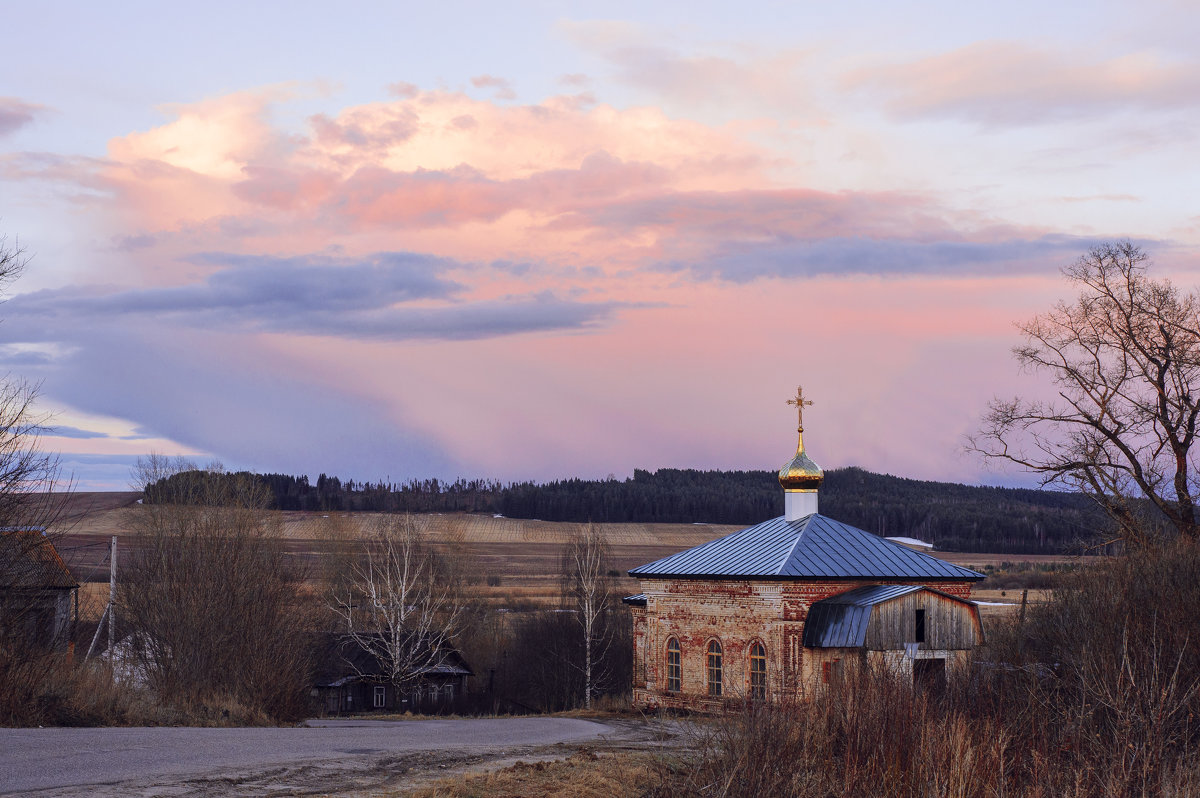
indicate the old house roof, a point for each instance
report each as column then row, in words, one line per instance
column 341, row 660
column 29, row 561
column 813, row 547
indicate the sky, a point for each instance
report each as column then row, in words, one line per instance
column 542, row 240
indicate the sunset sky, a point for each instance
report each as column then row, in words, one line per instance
column 541, row 240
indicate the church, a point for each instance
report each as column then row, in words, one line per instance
column 776, row 610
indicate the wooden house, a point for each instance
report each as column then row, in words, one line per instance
column 38, row 595
column 350, row 679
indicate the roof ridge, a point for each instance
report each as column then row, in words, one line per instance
column 795, row 545
column 815, row 546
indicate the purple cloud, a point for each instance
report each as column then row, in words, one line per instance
column 16, row 114
column 368, row 299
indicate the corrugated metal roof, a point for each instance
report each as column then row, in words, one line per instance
column 841, row 621
column 813, row 547
column 637, row 600
column 869, row 595
column 29, row 561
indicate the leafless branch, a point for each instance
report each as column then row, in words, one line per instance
column 1126, row 360
column 405, row 604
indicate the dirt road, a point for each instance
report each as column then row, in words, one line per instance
column 334, row 757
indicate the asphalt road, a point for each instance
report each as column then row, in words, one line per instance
column 33, row 760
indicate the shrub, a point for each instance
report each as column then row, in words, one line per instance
column 47, row 689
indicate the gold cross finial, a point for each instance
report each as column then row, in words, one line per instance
column 800, row 403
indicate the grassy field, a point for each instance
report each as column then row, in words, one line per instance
column 516, row 561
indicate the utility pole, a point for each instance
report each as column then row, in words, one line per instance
column 112, row 595
column 109, row 610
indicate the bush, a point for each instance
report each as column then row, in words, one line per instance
column 211, row 604
column 47, row 689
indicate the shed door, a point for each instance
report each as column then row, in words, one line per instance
column 929, row 674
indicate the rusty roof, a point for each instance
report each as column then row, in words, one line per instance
column 29, row 561
column 813, row 547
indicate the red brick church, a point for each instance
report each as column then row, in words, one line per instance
column 777, row 609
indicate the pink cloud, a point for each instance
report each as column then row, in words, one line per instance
column 424, row 163
column 404, row 91
column 553, row 183
column 743, row 81
column 503, row 88
column 1012, row 83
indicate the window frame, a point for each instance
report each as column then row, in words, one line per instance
column 757, row 671
column 714, row 661
column 920, row 626
column 379, row 697
column 674, row 669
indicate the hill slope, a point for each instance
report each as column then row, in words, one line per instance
column 954, row 517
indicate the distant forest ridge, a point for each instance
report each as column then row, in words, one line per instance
column 951, row 516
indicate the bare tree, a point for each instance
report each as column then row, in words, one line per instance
column 1125, row 358
column 405, row 605
column 588, row 591
column 32, row 491
column 208, row 599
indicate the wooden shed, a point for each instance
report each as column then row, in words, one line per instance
column 37, row 592
column 914, row 630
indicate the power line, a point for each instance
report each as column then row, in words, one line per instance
column 82, row 546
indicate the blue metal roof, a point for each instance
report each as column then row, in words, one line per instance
column 869, row 595
column 813, row 547
column 841, row 621
column 637, row 600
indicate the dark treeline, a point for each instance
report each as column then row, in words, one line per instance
column 953, row 517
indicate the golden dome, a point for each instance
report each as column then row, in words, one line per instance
column 800, row 473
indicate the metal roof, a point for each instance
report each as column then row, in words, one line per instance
column 841, row 621
column 813, row 547
column 637, row 600
column 29, row 561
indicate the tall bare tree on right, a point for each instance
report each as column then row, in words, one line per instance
column 1125, row 359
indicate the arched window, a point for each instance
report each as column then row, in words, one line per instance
column 758, row 671
column 714, row 669
column 674, row 666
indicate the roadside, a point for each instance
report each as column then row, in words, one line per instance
column 351, row 758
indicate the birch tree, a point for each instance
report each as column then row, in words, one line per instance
column 1125, row 360
column 406, row 603
column 588, row 592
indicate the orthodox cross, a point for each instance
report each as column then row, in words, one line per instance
column 800, row 403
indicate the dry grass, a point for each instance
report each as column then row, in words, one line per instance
column 584, row 774
column 39, row 689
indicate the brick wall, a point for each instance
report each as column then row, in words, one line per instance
column 734, row 613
